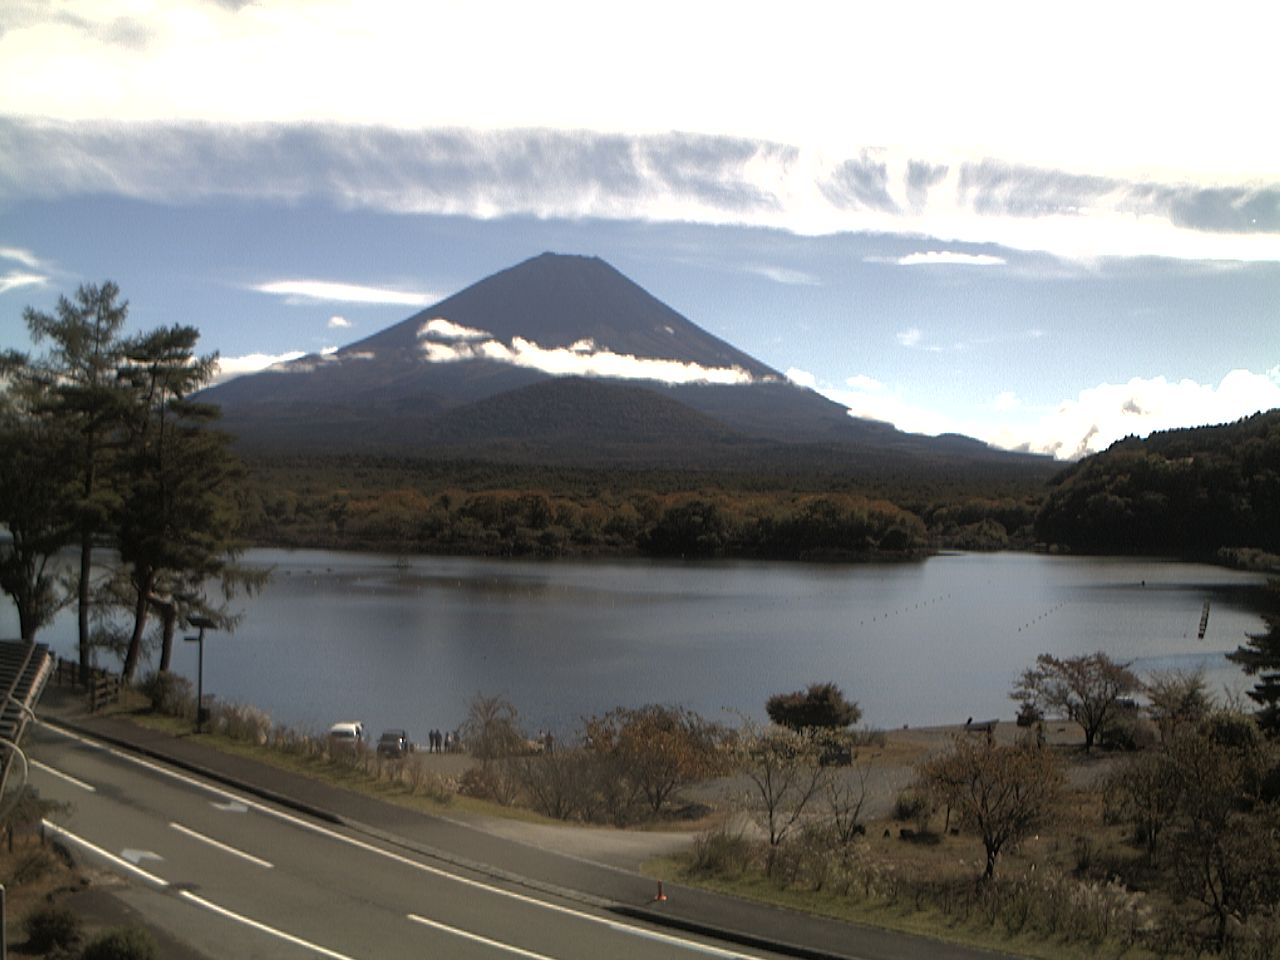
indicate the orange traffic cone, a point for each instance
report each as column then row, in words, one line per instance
column 661, row 896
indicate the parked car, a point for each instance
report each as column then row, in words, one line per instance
column 346, row 736
column 394, row 744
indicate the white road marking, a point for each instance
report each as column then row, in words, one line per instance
column 64, row 776
column 218, row 844
column 234, row 806
column 94, row 848
column 467, row 935
column 188, row 895
column 680, row 942
column 137, row 856
column 258, row 925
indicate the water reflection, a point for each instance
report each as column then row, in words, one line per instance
column 405, row 643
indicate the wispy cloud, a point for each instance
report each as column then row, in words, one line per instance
column 910, row 337
column 337, row 322
column 582, row 359
column 24, row 257
column 785, row 275
column 13, row 280
column 950, row 258
column 669, row 177
column 328, row 291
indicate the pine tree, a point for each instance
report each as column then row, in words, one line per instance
column 176, row 522
column 87, row 400
column 1260, row 658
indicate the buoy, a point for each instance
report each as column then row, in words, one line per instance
column 661, row 896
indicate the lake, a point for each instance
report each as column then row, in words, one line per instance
column 406, row 642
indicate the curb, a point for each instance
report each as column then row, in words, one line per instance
column 755, row 941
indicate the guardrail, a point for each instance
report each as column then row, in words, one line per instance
column 102, row 688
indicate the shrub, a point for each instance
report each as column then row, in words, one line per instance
column 169, row 694
column 494, row 782
column 1129, row 732
column 870, row 737
column 49, row 928
column 911, row 805
column 720, row 852
column 241, row 722
column 127, row 943
column 30, row 867
column 420, row 780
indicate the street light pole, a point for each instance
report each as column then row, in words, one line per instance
column 202, row 623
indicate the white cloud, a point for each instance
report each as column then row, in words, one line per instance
column 1101, row 415
column 337, row 322
column 24, row 257
column 326, row 291
column 864, row 384
column 75, row 66
column 802, row 378
column 442, row 329
column 786, row 276
column 229, row 367
column 950, row 257
column 579, row 361
column 1081, row 213
column 1089, row 423
column 13, row 280
column 910, row 337
column 1006, row 400
column 872, row 400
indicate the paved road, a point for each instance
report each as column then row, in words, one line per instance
column 234, row 876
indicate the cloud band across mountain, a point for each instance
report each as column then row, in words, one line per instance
column 445, row 342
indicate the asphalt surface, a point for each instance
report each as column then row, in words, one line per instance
column 463, row 848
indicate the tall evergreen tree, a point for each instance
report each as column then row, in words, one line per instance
column 177, row 521
column 1260, row 657
column 36, row 494
column 86, row 349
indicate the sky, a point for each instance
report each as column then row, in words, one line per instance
column 1047, row 226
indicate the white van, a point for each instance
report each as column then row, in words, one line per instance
column 346, row 737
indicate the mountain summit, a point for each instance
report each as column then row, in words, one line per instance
column 557, row 359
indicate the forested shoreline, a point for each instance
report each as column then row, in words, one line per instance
column 1191, row 494
column 502, row 510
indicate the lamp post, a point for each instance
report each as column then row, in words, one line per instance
column 202, row 623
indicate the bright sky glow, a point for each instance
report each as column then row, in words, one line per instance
column 1020, row 222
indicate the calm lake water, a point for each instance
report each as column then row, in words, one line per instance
column 406, row 643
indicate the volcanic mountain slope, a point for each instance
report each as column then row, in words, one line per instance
column 557, row 359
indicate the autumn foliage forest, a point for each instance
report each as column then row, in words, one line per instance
column 1185, row 493
column 497, row 510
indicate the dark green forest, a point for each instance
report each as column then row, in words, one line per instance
column 1187, row 493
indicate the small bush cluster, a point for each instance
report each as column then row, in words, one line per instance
column 723, row 852
column 127, row 943
column 241, row 722
column 1045, row 904
column 51, row 929
column 169, row 694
